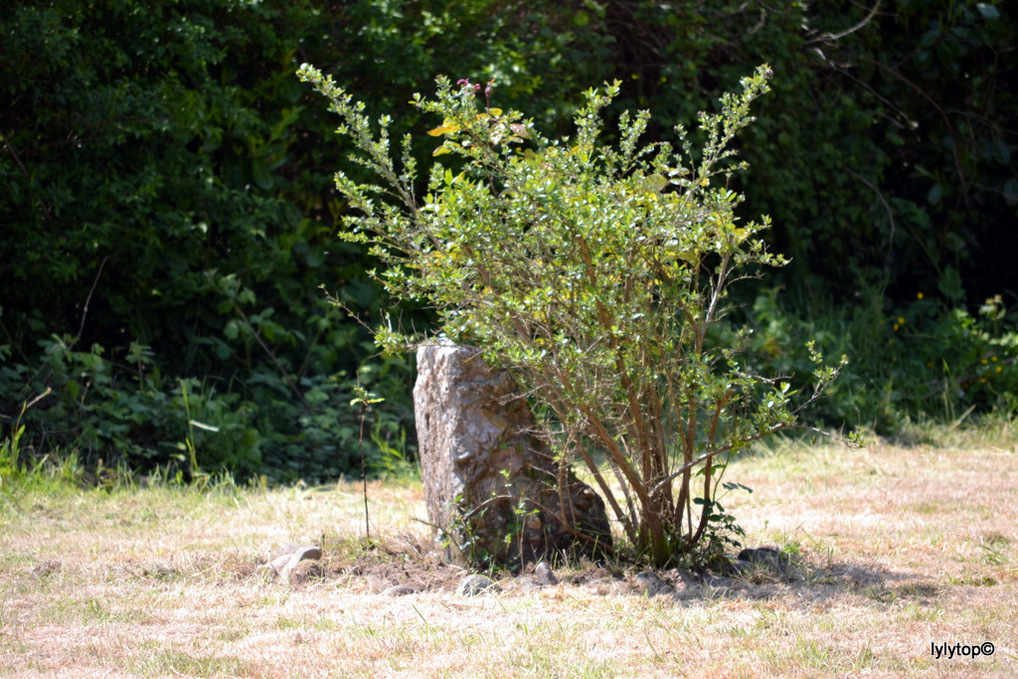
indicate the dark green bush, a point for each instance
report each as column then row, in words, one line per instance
column 927, row 359
column 164, row 179
column 165, row 229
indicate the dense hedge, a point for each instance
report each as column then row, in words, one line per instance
column 167, row 218
column 166, row 207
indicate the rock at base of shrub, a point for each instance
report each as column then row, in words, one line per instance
column 492, row 487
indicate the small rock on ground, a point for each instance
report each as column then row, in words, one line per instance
column 720, row 582
column 472, row 585
column 764, row 555
column 651, row 584
column 304, row 570
column 544, row 574
column 767, row 557
column 286, row 558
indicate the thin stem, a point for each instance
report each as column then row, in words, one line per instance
column 364, row 472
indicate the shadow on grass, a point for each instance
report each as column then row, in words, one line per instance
column 405, row 564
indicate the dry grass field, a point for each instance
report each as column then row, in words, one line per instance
column 900, row 552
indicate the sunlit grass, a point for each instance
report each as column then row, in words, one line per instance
column 895, row 548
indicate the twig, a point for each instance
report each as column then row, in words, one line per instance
column 364, row 473
column 38, row 398
column 890, row 213
column 710, row 454
column 282, row 371
column 831, row 37
column 943, row 115
column 88, row 300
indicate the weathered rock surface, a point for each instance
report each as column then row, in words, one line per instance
column 488, row 475
column 472, row 585
column 286, row 561
column 766, row 559
column 544, row 574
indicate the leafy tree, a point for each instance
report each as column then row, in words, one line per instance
column 162, row 185
column 156, row 201
column 887, row 161
column 161, row 196
column 595, row 274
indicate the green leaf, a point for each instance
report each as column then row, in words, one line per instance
column 1001, row 152
column 988, row 11
column 261, row 175
column 1010, row 189
column 950, row 285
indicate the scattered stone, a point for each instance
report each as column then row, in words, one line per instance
column 720, row 582
column 472, row 585
column 761, row 555
column 487, row 475
column 310, row 553
column 768, row 558
column 651, row 584
column 303, row 571
column 280, row 563
column 544, row 574
column 288, row 557
column 524, row 584
column 680, row 579
column 399, row 590
column 286, row 549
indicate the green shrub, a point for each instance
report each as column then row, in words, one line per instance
column 929, row 359
column 596, row 275
column 121, row 411
column 161, row 225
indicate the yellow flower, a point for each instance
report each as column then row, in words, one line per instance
column 901, row 320
column 920, row 295
column 999, row 368
column 984, row 361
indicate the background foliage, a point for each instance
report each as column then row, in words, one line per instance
column 167, row 216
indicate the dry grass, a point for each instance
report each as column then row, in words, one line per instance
column 900, row 548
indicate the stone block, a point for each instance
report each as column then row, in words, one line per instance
column 492, row 487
